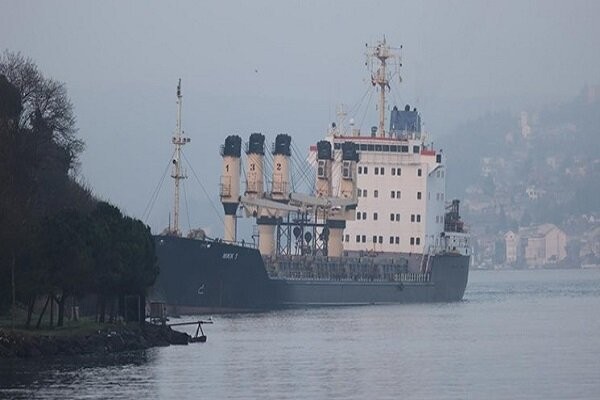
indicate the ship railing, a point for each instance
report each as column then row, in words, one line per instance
column 452, row 242
column 351, row 270
column 241, row 243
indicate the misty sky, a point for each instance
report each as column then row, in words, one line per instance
column 282, row 67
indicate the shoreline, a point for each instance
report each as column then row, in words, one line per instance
column 17, row 344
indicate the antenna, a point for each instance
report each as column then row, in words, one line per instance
column 385, row 55
column 341, row 117
column 178, row 174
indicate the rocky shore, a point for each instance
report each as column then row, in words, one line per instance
column 110, row 339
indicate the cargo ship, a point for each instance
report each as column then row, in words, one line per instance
column 376, row 227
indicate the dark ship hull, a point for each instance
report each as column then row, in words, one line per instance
column 198, row 276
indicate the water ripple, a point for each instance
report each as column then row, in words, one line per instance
column 517, row 334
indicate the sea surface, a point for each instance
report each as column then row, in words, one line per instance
column 516, row 335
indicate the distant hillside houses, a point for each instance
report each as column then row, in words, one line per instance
column 590, row 247
column 536, row 246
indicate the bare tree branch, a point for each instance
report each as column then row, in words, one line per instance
column 46, row 95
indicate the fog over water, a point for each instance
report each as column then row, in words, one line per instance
column 274, row 67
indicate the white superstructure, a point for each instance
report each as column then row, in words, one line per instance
column 401, row 180
column 401, row 194
column 378, row 193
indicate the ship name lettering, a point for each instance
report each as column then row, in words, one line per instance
column 230, row 256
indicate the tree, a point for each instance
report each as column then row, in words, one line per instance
column 138, row 251
column 10, row 112
column 38, row 150
column 124, row 256
column 44, row 96
column 34, row 184
column 65, row 257
column 56, row 239
column 105, row 222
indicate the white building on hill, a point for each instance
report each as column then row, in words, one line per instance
column 536, row 246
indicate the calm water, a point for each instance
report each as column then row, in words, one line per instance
column 517, row 335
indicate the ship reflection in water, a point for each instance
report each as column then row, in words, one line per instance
column 516, row 334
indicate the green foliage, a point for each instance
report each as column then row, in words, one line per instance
column 123, row 250
column 57, row 241
column 65, row 255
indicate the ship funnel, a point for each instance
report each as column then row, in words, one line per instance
column 256, row 144
column 324, row 161
column 232, row 146
column 281, row 156
column 349, row 160
column 255, row 166
column 350, row 151
column 324, row 150
column 336, row 220
column 229, row 188
column 282, row 145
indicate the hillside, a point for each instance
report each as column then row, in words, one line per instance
column 539, row 166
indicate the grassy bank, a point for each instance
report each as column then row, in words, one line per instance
column 85, row 336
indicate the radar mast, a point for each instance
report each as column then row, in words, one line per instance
column 385, row 55
column 177, row 173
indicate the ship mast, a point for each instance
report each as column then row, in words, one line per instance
column 178, row 173
column 382, row 52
